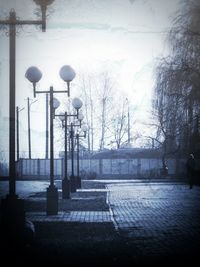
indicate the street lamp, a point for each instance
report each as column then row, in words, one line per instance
column 75, row 179
column 66, row 180
column 70, row 183
column 77, row 104
column 56, row 104
column 13, row 212
column 33, row 74
column 67, row 74
column 43, row 5
column 84, row 129
column 80, row 118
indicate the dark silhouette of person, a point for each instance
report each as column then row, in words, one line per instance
column 191, row 170
column 165, row 169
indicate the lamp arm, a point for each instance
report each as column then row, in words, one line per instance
column 34, row 89
column 68, row 88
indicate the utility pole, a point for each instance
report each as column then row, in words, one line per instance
column 17, row 114
column 128, row 116
column 17, row 111
column 13, row 211
column 29, row 129
column 47, row 128
column 129, row 134
column 29, row 125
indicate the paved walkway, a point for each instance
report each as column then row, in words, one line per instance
column 152, row 219
column 142, row 210
column 158, row 217
column 137, row 209
column 73, row 216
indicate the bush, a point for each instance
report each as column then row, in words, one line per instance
column 91, row 175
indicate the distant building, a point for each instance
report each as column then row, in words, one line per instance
column 128, row 153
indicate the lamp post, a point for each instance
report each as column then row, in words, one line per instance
column 128, row 117
column 33, row 74
column 66, row 180
column 47, row 128
column 77, row 104
column 84, row 129
column 80, row 118
column 13, row 213
column 72, row 177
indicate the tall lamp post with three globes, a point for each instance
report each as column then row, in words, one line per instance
column 33, row 74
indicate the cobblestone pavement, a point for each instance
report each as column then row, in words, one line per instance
column 86, row 205
column 73, row 216
column 159, row 218
column 153, row 220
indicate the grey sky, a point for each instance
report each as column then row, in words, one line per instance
column 124, row 36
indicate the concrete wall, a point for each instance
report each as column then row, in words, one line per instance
column 104, row 168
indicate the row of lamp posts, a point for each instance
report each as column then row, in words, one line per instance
column 13, row 212
column 70, row 185
column 33, row 74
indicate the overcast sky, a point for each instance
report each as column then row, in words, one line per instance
column 121, row 36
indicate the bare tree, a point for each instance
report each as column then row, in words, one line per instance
column 107, row 118
column 120, row 122
column 88, row 85
column 3, row 164
column 105, row 96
